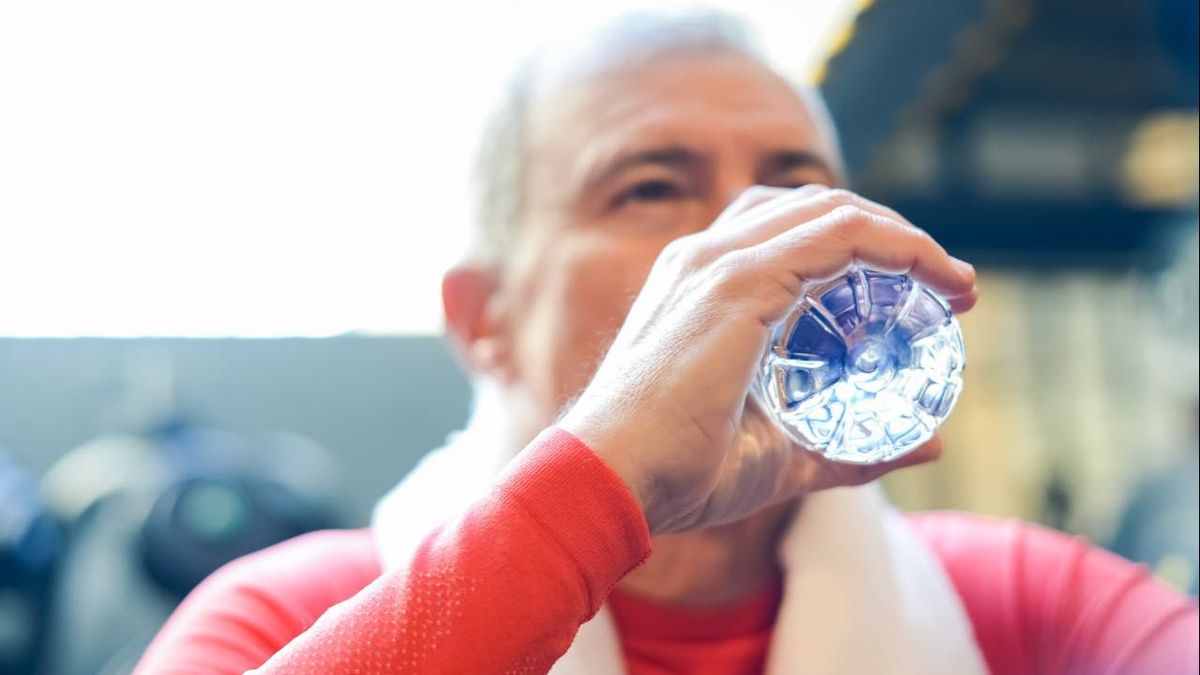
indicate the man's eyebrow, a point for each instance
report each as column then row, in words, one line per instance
column 673, row 156
column 790, row 160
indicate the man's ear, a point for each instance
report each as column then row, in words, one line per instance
column 479, row 336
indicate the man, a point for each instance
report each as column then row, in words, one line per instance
column 652, row 200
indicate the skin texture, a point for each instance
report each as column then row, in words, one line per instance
column 649, row 268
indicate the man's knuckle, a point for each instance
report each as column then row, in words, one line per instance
column 849, row 218
column 729, row 268
column 841, row 197
column 674, row 248
column 678, row 251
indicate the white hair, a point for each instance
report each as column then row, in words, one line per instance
column 499, row 167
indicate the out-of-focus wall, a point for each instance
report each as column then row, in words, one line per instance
column 1076, row 388
column 376, row 403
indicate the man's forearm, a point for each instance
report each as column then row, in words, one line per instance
column 503, row 588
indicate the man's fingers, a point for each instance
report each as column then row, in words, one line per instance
column 964, row 302
column 818, row 232
column 761, row 212
column 825, row 247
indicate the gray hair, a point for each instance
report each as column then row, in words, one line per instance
column 499, row 167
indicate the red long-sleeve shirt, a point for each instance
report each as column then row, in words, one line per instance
column 504, row 588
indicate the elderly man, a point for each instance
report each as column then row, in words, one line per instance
column 651, row 200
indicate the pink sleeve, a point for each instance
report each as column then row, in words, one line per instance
column 501, row 589
column 1042, row 602
column 252, row 607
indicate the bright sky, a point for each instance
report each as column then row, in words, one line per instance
column 260, row 168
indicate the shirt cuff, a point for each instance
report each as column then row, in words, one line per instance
column 584, row 505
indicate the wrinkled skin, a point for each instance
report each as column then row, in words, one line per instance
column 641, row 185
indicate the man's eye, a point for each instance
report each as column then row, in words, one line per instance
column 651, row 191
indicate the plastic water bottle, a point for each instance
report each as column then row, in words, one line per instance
column 865, row 368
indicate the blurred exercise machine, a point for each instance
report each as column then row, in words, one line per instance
column 151, row 516
column 31, row 549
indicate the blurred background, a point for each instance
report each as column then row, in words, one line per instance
column 222, row 228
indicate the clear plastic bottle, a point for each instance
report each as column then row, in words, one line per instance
column 865, row 368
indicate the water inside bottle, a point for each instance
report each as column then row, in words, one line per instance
column 865, row 368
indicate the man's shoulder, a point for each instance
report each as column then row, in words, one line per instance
column 1036, row 596
column 974, row 547
column 956, row 532
column 978, row 540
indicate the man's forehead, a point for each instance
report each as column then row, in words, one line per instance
column 688, row 101
column 613, row 86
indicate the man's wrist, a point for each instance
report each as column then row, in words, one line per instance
column 613, row 448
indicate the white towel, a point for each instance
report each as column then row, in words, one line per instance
column 862, row 592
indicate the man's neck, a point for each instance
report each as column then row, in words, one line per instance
column 716, row 566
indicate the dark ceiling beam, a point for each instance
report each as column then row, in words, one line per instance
column 1032, row 234
column 923, row 88
column 1069, row 72
column 896, row 44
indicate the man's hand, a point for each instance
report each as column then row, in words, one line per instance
column 668, row 408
